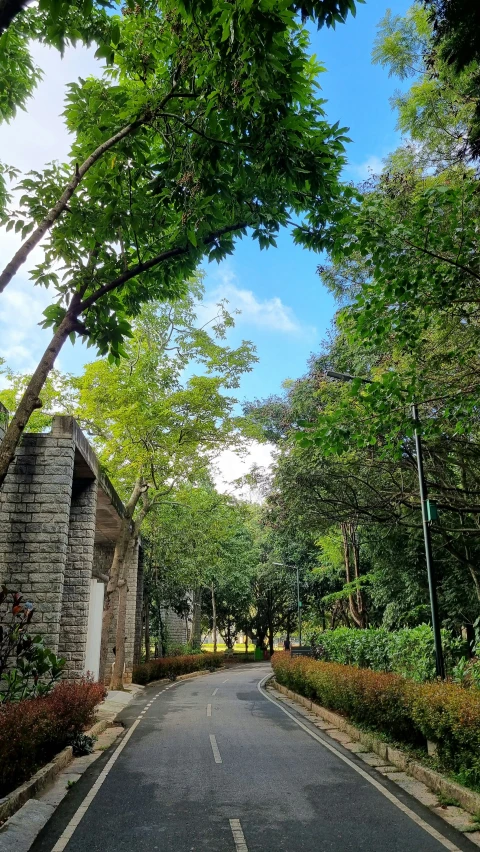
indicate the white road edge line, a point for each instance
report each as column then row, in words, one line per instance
column 215, row 691
column 388, row 795
column 216, row 753
column 209, row 710
column 238, row 837
column 68, row 831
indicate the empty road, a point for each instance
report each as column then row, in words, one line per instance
column 213, row 764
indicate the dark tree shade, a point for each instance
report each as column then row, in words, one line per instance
column 456, row 26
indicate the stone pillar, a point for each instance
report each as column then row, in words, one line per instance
column 34, row 519
column 137, row 646
column 102, row 561
column 131, row 620
column 78, row 574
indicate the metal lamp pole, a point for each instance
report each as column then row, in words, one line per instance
column 432, row 585
column 299, row 603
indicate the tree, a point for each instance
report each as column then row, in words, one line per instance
column 57, row 23
column 228, row 594
column 456, row 26
column 200, row 542
column 203, row 128
column 153, row 427
column 436, row 113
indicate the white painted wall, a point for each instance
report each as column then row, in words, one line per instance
column 94, row 630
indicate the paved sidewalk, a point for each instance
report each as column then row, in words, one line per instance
column 19, row 832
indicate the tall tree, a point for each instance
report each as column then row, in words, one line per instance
column 154, row 428
column 207, row 127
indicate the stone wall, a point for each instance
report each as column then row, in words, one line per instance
column 78, row 574
column 137, row 646
column 34, row 522
column 130, row 625
column 59, row 520
column 176, row 627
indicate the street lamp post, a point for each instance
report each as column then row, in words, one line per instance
column 432, row 585
column 299, row 603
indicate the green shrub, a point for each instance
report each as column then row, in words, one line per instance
column 409, row 652
column 34, row 730
column 404, row 710
column 172, row 667
column 27, row 667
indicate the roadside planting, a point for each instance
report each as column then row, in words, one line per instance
column 409, row 712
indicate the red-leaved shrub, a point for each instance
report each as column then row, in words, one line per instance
column 404, row 710
column 172, row 667
column 34, row 730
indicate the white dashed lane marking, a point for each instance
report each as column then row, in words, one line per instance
column 225, row 681
column 215, row 691
column 209, row 710
column 238, row 837
column 216, row 753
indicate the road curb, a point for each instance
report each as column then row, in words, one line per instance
column 469, row 800
column 13, row 802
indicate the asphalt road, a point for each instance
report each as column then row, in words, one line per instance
column 213, row 764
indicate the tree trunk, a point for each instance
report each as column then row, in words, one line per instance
column 350, row 544
column 119, row 665
column 30, row 399
column 356, row 562
column 126, row 539
column 196, row 639
column 147, row 630
column 214, row 620
column 119, row 555
column 270, row 640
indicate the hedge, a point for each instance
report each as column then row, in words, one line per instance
column 404, row 710
column 409, row 652
column 171, row 667
column 33, row 731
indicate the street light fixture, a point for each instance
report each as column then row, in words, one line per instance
column 299, row 603
column 432, row 585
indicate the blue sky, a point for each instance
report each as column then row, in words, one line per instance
column 285, row 310
column 358, row 96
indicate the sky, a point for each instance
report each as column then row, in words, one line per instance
column 284, row 308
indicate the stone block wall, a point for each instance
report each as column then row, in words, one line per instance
column 176, row 627
column 137, row 646
column 131, row 620
column 34, row 521
column 51, row 503
column 78, row 573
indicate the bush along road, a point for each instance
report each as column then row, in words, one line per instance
column 215, row 763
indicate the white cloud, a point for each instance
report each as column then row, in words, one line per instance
column 373, row 165
column 230, row 466
column 269, row 314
